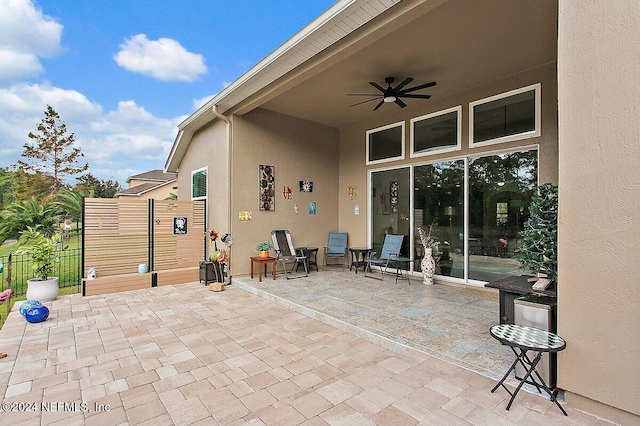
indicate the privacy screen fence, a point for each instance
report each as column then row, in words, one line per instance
column 133, row 244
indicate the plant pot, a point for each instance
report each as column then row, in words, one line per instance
column 263, row 254
column 42, row 290
column 428, row 266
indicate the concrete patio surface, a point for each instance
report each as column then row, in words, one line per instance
column 186, row 355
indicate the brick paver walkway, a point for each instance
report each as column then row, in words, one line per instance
column 185, row 355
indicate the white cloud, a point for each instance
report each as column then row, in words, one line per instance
column 116, row 144
column 26, row 34
column 163, row 59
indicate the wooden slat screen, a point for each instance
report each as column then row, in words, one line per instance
column 116, row 235
column 178, row 251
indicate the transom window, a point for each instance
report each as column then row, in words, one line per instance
column 199, row 184
column 437, row 132
column 385, row 143
column 510, row 116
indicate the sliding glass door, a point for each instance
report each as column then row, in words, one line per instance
column 390, row 201
column 439, row 204
column 477, row 232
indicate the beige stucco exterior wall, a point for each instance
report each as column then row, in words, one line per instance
column 298, row 150
column 599, row 199
column 353, row 168
column 209, row 148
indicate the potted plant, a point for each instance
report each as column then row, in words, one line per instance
column 538, row 251
column 43, row 253
column 263, row 249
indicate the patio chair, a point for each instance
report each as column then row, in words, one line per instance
column 336, row 249
column 287, row 254
column 390, row 252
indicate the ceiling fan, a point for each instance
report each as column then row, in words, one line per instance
column 393, row 94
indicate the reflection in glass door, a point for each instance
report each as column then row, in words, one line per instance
column 439, row 201
column 478, row 235
column 500, row 191
column 390, row 202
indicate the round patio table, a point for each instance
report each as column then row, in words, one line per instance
column 522, row 339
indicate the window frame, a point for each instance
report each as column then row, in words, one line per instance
column 400, row 124
column 206, row 183
column 437, row 150
column 510, row 138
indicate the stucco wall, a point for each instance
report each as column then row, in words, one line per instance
column 599, row 224
column 353, row 170
column 209, row 148
column 298, row 150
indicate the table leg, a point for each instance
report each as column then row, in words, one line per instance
column 252, row 268
column 260, row 272
column 273, row 269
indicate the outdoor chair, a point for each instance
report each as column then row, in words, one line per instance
column 287, row 254
column 390, row 253
column 336, row 249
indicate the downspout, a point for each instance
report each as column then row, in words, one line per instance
column 227, row 121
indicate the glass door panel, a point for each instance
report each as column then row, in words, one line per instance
column 390, row 201
column 439, row 201
column 500, row 191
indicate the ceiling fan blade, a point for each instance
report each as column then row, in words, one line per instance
column 400, row 103
column 422, row 86
column 377, row 86
column 379, row 105
column 364, row 102
column 404, row 83
column 415, row 96
column 363, row 94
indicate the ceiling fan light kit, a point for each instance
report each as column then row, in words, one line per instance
column 393, row 94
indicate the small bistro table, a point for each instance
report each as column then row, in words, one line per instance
column 359, row 257
column 522, row 339
column 263, row 261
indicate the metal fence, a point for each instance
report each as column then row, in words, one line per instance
column 15, row 270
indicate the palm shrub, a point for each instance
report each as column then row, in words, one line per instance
column 41, row 249
column 539, row 249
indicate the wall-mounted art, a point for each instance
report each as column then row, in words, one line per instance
column 180, row 226
column 393, row 196
column 245, row 215
column 384, row 202
column 312, row 207
column 306, row 186
column 286, row 192
column 267, row 182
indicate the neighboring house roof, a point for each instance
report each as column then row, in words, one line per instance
column 153, row 175
column 138, row 190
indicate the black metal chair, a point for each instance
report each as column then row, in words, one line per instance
column 287, row 254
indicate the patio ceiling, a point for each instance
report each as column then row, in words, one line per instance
column 459, row 44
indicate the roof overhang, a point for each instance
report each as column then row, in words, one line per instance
column 459, row 44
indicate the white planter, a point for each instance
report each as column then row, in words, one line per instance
column 44, row 291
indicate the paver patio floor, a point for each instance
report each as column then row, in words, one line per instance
column 186, row 355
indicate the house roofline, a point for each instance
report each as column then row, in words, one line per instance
column 277, row 64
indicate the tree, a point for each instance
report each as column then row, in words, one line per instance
column 53, row 152
column 100, row 188
column 18, row 217
column 28, row 185
column 539, row 249
column 6, row 187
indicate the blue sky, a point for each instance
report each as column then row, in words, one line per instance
column 123, row 74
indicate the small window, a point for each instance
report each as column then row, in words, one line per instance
column 437, row 132
column 385, row 143
column 506, row 117
column 199, row 184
